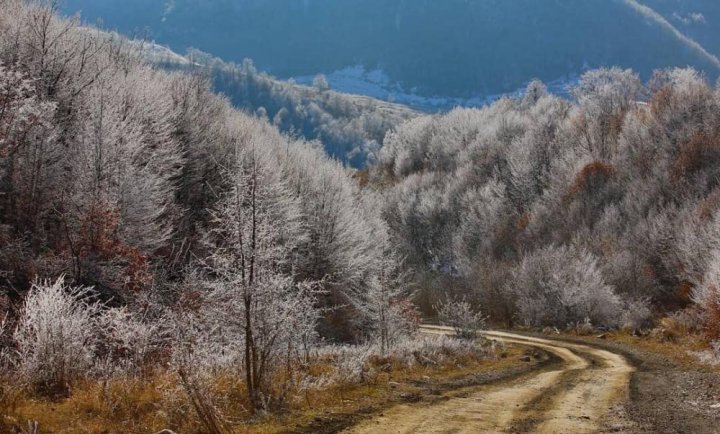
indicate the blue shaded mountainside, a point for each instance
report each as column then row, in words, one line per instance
column 350, row 128
column 450, row 48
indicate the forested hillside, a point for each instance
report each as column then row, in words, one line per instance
column 350, row 128
column 454, row 48
column 168, row 260
column 548, row 211
column 146, row 225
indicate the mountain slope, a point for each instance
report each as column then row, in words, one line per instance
column 458, row 48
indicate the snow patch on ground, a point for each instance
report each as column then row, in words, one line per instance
column 376, row 84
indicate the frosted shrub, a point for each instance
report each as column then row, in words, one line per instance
column 560, row 286
column 436, row 349
column 462, row 317
column 636, row 314
column 707, row 296
column 350, row 363
column 359, row 363
column 57, row 334
column 134, row 341
column 709, row 291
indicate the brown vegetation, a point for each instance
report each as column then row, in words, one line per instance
column 590, row 176
column 148, row 405
column 698, row 152
column 712, row 318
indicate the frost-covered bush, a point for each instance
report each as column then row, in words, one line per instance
column 57, row 334
column 559, row 286
column 348, row 362
column 359, row 363
column 461, row 316
column 133, row 341
column 709, row 290
column 636, row 314
column 707, row 296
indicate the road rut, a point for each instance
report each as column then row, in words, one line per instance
column 584, row 394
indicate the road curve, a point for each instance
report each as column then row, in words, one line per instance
column 579, row 396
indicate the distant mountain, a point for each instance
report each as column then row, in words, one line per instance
column 350, row 127
column 448, row 48
column 698, row 19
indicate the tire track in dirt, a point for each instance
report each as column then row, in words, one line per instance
column 578, row 397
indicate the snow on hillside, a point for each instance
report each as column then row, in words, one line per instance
column 376, row 84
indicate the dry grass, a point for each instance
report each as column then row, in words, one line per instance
column 147, row 406
column 126, row 406
column 681, row 350
column 384, row 389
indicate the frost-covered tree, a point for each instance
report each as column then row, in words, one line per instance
column 604, row 95
column 28, row 157
column 320, row 83
column 384, row 303
column 251, row 243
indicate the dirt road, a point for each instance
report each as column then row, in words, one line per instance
column 583, row 394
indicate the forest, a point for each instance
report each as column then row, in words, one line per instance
column 351, row 128
column 197, row 268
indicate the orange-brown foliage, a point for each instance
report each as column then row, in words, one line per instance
column 99, row 240
column 708, row 207
column 98, row 231
column 684, row 291
column 592, row 171
column 615, row 125
column 712, row 317
column 409, row 312
column 362, row 177
column 649, row 271
column 693, row 155
column 523, row 222
column 661, row 99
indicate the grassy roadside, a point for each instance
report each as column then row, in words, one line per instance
column 682, row 350
column 156, row 402
column 404, row 386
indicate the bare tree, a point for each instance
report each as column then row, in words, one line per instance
column 254, row 231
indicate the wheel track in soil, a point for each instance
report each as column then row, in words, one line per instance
column 583, row 394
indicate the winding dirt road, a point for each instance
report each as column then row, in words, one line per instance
column 583, row 394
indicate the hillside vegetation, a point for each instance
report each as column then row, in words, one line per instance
column 601, row 210
column 351, row 128
column 150, row 231
column 167, row 260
